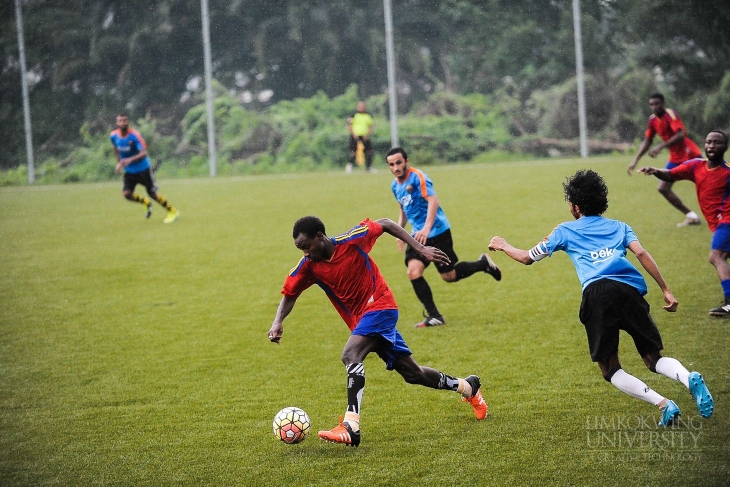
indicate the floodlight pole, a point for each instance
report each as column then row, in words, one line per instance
column 208, row 88
column 581, row 85
column 26, row 102
column 392, row 99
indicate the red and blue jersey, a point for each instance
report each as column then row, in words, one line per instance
column 666, row 126
column 128, row 146
column 412, row 194
column 350, row 278
column 712, row 186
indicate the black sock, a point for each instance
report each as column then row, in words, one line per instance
column 355, row 385
column 466, row 269
column 424, row 295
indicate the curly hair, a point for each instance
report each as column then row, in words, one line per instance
column 309, row 226
column 588, row 191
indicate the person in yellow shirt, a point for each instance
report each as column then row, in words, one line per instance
column 361, row 126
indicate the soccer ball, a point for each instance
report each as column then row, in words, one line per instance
column 291, row 425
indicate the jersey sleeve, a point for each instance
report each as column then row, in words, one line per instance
column 629, row 235
column 650, row 130
column 299, row 279
column 374, row 230
column 685, row 170
column 139, row 141
column 549, row 244
column 675, row 122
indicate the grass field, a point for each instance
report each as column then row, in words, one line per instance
column 135, row 353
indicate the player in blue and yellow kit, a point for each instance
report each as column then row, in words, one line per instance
column 420, row 206
column 131, row 151
column 613, row 293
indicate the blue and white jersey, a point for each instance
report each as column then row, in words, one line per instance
column 597, row 246
column 411, row 194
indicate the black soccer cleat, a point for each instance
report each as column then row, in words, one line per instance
column 149, row 210
column 492, row 268
column 431, row 320
column 723, row 310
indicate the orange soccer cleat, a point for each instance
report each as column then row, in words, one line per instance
column 342, row 433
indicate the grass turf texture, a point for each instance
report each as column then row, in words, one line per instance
column 135, row 353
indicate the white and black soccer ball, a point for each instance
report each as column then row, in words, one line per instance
column 291, row 425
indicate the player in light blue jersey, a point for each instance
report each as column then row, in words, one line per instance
column 420, row 206
column 131, row 152
column 613, row 293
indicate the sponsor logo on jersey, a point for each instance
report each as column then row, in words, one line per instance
column 602, row 255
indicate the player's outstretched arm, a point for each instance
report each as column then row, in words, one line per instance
column 662, row 174
column 649, row 264
column 642, row 150
column 277, row 328
column 431, row 254
column 522, row 256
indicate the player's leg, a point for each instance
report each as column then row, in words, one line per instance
column 366, row 338
column 130, row 182
column 416, row 265
column 718, row 258
column 369, row 154
column 603, row 319
column 351, row 153
column 456, row 270
column 665, row 189
column 469, row 387
column 151, row 185
column 693, row 381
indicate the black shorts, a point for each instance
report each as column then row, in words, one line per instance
column 145, row 178
column 443, row 242
column 367, row 143
column 609, row 306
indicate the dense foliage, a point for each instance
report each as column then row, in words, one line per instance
column 88, row 60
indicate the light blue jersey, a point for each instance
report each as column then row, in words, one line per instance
column 128, row 146
column 411, row 194
column 597, row 246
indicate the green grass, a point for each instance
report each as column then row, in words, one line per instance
column 135, row 353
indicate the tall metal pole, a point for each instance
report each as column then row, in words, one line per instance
column 208, row 88
column 581, row 86
column 26, row 102
column 392, row 99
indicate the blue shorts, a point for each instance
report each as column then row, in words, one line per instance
column 721, row 238
column 382, row 324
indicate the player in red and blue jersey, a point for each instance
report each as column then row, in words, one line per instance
column 131, row 151
column 343, row 268
column 666, row 123
column 420, row 206
column 712, row 182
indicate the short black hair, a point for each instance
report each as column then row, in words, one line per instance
column 397, row 150
column 588, row 191
column 123, row 114
column 657, row 95
column 724, row 135
column 309, row 226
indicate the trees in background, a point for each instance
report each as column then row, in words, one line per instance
column 89, row 60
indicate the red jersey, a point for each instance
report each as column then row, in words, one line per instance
column 350, row 278
column 666, row 126
column 713, row 188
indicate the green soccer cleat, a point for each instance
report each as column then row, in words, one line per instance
column 171, row 216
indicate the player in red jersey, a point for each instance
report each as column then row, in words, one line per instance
column 712, row 181
column 344, row 270
column 666, row 123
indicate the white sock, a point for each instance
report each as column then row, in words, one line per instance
column 634, row 387
column 353, row 419
column 673, row 369
column 692, row 214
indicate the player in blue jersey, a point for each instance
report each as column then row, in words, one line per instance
column 613, row 293
column 131, row 151
column 420, row 206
